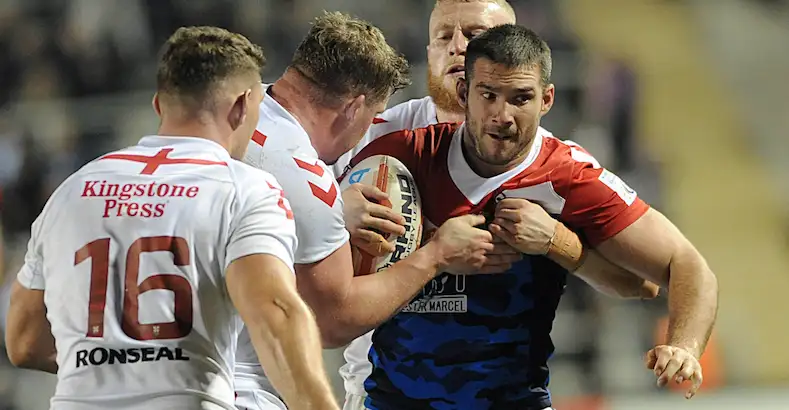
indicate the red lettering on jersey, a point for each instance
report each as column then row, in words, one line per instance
column 153, row 163
column 259, row 138
column 281, row 202
column 328, row 197
column 377, row 120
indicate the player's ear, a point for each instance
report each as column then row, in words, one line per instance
column 353, row 107
column 548, row 94
column 238, row 112
column 155, row 104
column 462, row 91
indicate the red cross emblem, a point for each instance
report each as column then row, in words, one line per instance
column 154, row 162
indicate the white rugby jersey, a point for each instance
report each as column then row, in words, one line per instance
column 282, row 147
column 411, row 114
column 131, row 252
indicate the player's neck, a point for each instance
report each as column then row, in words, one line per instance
column 449, row 116
column 484, row 169
column 294, row 93
column 194, row 129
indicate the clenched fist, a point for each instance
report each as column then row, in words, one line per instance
column 524, row 225
column 675, row 363
column 461, row 247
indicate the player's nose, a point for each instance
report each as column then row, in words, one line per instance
column 457, row 47
column 503, row 114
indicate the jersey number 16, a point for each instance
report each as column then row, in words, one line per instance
column 98, row 252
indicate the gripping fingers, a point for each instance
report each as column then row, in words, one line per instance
column 371, row 192
column 385, row 212
column 371, row 242
column 697, row 380
column 685, row 372
column 690, row 370
column 512, row 215
column 673, row 365
column 663, row 356
column 383, row 225
column 502, row 248
column 484, row 235
column 651, row 359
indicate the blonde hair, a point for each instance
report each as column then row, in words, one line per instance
column 346, row 56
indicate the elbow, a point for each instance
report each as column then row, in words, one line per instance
column 711, row 282
column 19, row 344
column 332, row 331
column 20, row 354
column 333, row 340
column 690, row 270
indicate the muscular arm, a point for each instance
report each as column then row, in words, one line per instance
column 282, row 330
column 614, row 281
column 653, row 248
column 28, row 337
column 529, row 228
column 571, row 253
column 347, row 306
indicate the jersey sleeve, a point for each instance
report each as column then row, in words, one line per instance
column 317, row 203
column 31, row 275
column 414, row 148
column 263, row 225
column 598, row 203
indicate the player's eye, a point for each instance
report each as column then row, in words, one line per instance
column 474, row 33
column 521, row 100
column 488, row 95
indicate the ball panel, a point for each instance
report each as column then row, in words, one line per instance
column 392, row 177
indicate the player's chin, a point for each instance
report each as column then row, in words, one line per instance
column 499, row 152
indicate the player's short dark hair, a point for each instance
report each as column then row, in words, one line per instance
column 348, row 57
column 512, row 46
column 196, row 60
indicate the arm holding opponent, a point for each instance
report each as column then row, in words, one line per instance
column 528, row 228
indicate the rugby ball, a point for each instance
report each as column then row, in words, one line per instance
column 392, row 177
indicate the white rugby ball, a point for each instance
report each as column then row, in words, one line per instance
column 391, row 176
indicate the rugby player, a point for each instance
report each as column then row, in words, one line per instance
column 452, row 24
column 140, row 263
column 341, row 76
column 492, row 351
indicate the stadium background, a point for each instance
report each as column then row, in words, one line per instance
column 686, row 99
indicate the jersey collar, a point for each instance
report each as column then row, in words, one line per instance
column 197, row 143
column 275, row 118
column 475, row 187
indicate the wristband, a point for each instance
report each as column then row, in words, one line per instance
column 566, row 248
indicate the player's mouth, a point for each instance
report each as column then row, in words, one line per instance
column 456, row 70
column 500, row 137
